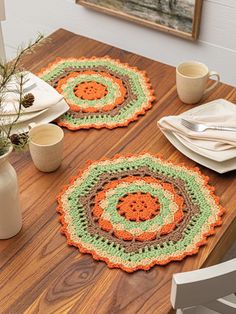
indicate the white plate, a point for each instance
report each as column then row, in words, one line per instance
column 220, row 167
column 214, row 155
column 51, row 114
column 8, row 119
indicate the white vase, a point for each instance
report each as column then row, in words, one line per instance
column 10, row 213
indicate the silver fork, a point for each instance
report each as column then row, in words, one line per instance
column 198, row 127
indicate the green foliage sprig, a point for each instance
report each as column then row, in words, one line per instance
column 9, row 71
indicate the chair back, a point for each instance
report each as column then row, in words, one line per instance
column 212, row 287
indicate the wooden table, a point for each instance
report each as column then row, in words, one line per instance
column 39, row 273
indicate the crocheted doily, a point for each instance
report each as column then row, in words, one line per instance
column 135, row 211
column 101, row 92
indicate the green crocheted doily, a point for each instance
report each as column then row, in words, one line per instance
column 135, row 211
column 101, row 92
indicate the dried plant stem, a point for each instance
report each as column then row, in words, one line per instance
column 11, row 73
column 12, row 67
column 21, row 84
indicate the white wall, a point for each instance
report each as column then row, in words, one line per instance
column 216, row 45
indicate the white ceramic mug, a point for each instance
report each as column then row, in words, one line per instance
column 46, row 146
column 191, row 81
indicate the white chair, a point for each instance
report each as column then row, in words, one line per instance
column 209, row 290
column 2, row 18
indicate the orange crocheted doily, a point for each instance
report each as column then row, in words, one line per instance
column 137, row 211
column 101, row 92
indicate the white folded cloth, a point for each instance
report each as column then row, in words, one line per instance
column 45, row 95
column 221, row 113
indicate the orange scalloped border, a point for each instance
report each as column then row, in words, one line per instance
column 156, row 262
column 135, row 117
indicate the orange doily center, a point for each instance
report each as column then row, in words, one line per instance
column 138, row 206
column 90, row 90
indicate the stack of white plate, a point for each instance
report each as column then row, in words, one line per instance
column 219, row 161
column 48, row 104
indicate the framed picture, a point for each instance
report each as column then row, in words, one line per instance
column 178, row 17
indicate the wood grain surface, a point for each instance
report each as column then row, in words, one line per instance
column 39, row 273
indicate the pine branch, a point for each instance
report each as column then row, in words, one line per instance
column 21, row 84
column 10, row 68
column 8, row 71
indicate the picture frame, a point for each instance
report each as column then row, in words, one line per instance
column 167, row 12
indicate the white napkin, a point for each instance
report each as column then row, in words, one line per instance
column 45, row 95
column 221, row 113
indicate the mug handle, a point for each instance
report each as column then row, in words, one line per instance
column 213, row 73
